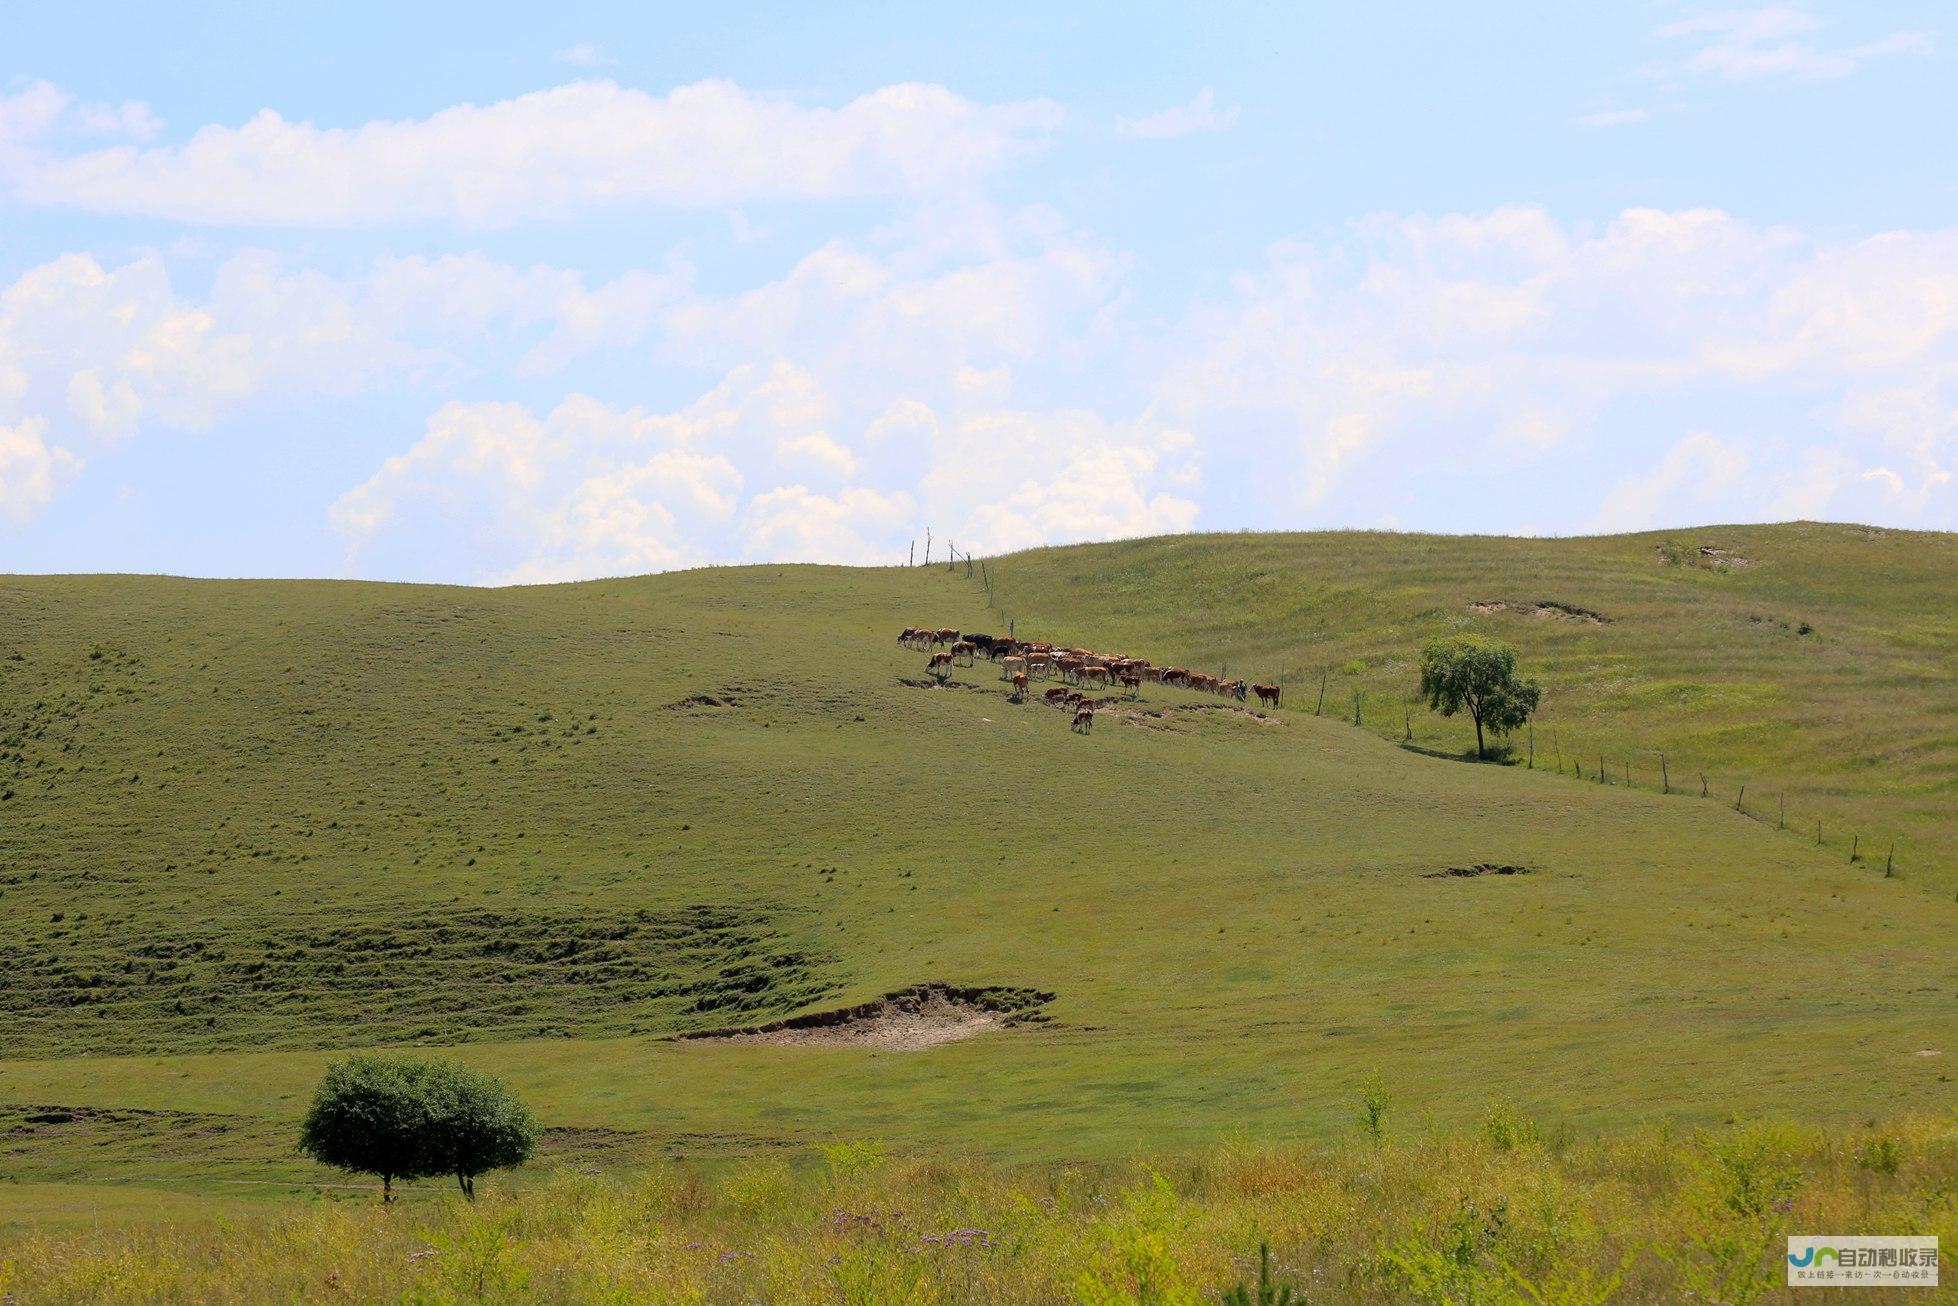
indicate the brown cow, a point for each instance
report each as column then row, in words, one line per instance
column 966, row 649
column 1084, row 718
column 940, row 665
column 1096, row 675
column 1020, row 685
column 1132, row 683
column 1267, row 694
column 1054, row 695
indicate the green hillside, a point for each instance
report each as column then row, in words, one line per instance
column 248, row 823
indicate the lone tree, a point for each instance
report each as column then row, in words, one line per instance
column 404, row 1119
column 1477, row 675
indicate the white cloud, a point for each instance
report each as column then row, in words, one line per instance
column 858, row 527
column 1015, row 478
column 1752, row 44
column 820, row 449
column 545, row 155
column 31, row 470
column 931, row 300
column 587, row 489
column 1200, row 115
column 1496, row 341
column 1695, row 473
column 105, row 351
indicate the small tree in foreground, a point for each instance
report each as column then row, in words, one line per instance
column 1476, row 675
column 403, row 1119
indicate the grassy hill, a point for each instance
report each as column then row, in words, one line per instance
column 248, row 823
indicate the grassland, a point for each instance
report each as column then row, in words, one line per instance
column 250, row 823
column 1807, row 662
column 1499, row 1214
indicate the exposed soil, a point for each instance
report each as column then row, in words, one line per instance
column 907, row 1021
column 1480, row 868
column 1546, row 609
column 702, row 700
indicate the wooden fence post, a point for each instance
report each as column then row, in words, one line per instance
column 1890, row 861
column 1356, row 707
column 1855, row 842
column 1324, row 672
column 1410, row 735
column 1665, row 777
column 1740, row 798
column 1702, row 784
column 1782, row 822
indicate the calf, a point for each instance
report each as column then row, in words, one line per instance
column 1084, row 718
column 1020, row 685
column 940, row 665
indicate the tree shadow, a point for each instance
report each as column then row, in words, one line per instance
column 1496, row 757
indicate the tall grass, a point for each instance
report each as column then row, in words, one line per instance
column 1498, row 1214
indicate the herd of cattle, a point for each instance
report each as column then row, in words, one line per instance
column 1021, row 661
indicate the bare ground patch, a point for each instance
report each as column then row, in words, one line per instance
column 909, row 1020
column 929, row 683
column 1542, row 609
column 1478, row 868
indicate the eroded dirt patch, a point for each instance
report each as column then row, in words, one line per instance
column 909, row 1020
column 1479, row 868
column 1543, row 609
column 695, row 702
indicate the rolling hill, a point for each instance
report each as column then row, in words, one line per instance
column 247, row 824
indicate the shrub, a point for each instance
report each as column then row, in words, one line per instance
column 1508, row 1130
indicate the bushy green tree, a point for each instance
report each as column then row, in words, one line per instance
column 1477, row 675
column 405, row 1119
column 476, row 1125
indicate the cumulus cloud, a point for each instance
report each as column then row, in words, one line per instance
column 1498, row 340
column 31, row 469
column 1201, row 114
column 589, row 489
column 546, row 155
column 105, row 350
column 1752, row 44
column 858, row 526
column 1695, row 473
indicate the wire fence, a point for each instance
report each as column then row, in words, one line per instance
column 1521, row 749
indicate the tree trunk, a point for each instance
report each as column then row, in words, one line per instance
column 467, row 1185
column 1479, row 752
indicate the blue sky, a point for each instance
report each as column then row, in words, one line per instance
column 457, row 294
